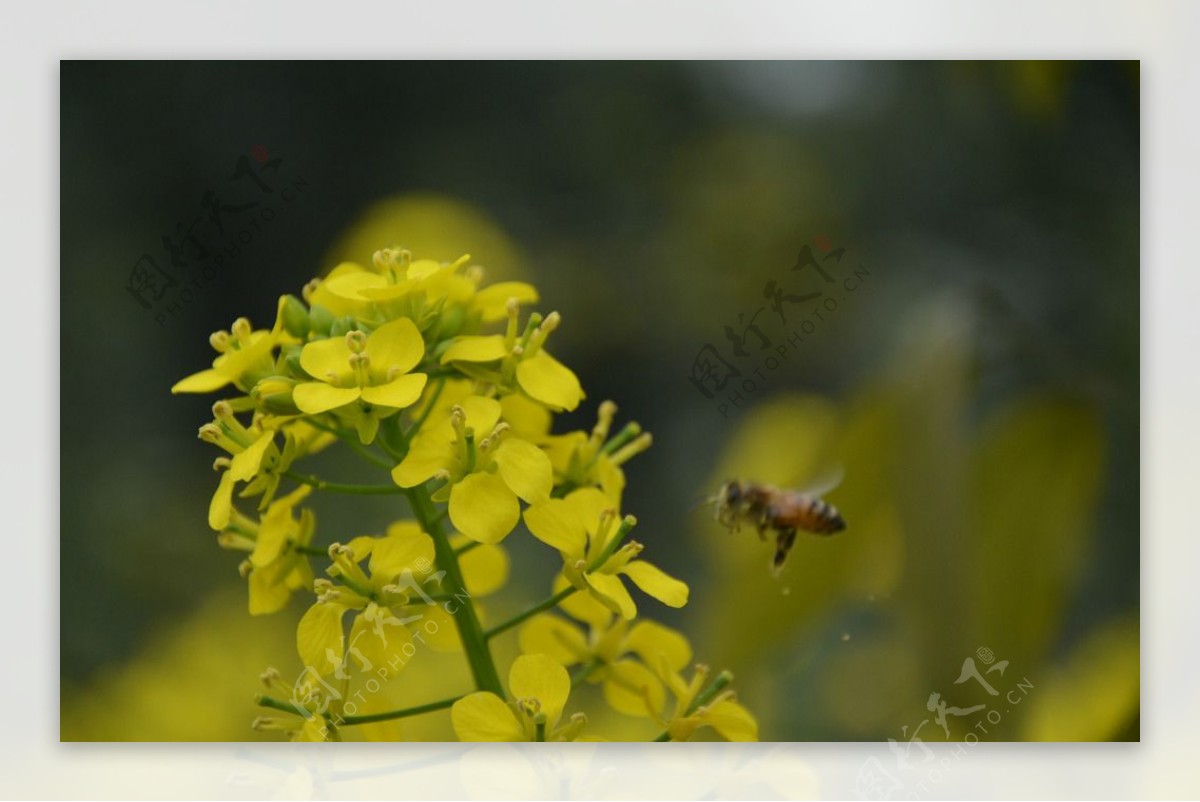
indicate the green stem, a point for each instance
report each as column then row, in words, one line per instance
column 704, row 697
column 338, row 487
column 275, row 704
column 553, row 601
column 461, row 550
column 483, row 669
column 368, row 718
column 584, row 671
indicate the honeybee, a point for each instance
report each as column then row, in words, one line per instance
column 782, row 511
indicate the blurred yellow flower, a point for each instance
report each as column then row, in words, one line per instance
column 625, row 658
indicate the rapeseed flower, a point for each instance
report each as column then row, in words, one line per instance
column 367, row 370
column 585, row 529
column 540, row 687
column 624, row 657
column 485, row 473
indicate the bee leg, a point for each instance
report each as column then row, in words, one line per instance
column 784, row 538
column 764, row 524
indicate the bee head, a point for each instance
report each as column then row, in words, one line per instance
column 731, row 493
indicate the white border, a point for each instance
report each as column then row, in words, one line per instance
column 35, row 36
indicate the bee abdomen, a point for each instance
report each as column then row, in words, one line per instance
column 824, row 518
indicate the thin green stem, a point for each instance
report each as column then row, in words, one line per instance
column 483, row 669
column 584, row 671
column 263, row 700
column 368, row 718
column 461, row 550
column 547, row 604
column 339, row 487
column 704, row 697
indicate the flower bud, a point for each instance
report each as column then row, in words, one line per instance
column 320, row 320
column 295, row 317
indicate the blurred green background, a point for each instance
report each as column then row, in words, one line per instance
column 979, row 387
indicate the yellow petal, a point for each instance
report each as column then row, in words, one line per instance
column 547, row 380
column 588, row 503
column 319, row 637
column 423, row 268
column 555, row 637
column 397, row 345
column 492, row 301
column 632, row 689
column 206, row 381
column 343, row 302
column 733, row 721
column 528, row 418
column 484, row 568
column 221, row 506
column 401, row 392
column 657, row 644
column 269, row 593
column 582, row 606
column 537, row 676
column 314, row 730
column 349, row 286
column 428, row 455
column 392, row 554
column 361, row 547
column 245, row 466
column 476, row 349
column 483, row 508
column 484, row 716
column 323, row 357
column 525, row 468
column 482, row 414
column 436, row 627
column 611, row 591
column 555, row 523
column 317, row 397
column 379, row 638
column 653, row 582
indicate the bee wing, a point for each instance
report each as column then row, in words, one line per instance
column 824, row 482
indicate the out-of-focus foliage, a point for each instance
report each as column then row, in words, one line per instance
column 962, row 533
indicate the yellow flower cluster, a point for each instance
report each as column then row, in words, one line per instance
column 433, row 378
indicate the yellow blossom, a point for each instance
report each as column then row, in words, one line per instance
column 625, row 658
column 389, row 600
column 373, row 369
column 277, row 566
column 518, row 363
column 244, row 356
column 699, row 705
column 487, row 468
column 585, row 529
column 540, row 687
